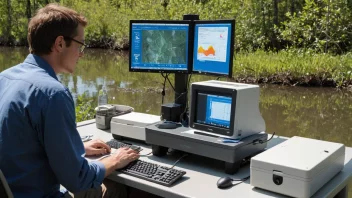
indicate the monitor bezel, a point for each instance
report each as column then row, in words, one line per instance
column 232, row 47
column 190, row 46
column 213, row 91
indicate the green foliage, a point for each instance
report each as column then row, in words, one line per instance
column 249, row 33
column 109, row 24
column 294, row 64
column 84, row 108
column 320, row 25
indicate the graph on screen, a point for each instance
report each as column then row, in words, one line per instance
column 220, row 111
column 210, row 51
column 212, row 44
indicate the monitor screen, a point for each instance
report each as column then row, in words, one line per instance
column 213, row 47
column 214, row 110
column 159, row 46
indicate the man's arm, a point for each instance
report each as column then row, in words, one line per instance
column 64, row 147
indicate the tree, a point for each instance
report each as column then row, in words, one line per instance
column 7, row 33
column 28, row 10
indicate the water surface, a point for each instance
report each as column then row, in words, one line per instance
column 320, row 113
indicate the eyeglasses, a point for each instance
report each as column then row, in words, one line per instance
column 81, row 49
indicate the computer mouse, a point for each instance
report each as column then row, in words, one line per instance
column 167, row 125
column 224, row 182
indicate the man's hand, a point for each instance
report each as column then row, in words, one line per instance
column 119, row 159
column 124, row 156
column 96, row 147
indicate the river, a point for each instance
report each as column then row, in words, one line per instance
column 314, row 112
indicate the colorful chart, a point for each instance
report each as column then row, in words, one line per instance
column 209, row 51
column 212, row 44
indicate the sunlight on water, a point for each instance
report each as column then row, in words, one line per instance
column 320, row 113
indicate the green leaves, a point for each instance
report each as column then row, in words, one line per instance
column 84, row 108
column 323, row 26
column 320, row 25
column 289, row 64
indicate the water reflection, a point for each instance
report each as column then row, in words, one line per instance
column 321, row 113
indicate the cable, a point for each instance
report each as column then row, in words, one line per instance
column 167, row 77
column 146, row 154
column 240, row 180
column 185, row 92
column 180, row 96
column 163, row 92
column 186, row 107
column 259, row 141
column 189, row 80
column 178, row 160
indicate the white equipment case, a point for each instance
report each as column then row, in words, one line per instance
column 297, row 167
column 132, row 125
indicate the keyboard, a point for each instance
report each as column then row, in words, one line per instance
column 117, row 144
column 152, row 172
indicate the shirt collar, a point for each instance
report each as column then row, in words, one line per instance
column 38, row 61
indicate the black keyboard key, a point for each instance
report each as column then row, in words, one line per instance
column 117, row 144
column 152, row 172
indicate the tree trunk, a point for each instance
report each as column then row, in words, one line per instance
column 276, row 23
column 9, row 22
column 28, row 10
column 292, row 7
column 276, row 12
column 263, row 15
column 327, row 28
column 349, row 3
column 34, row 5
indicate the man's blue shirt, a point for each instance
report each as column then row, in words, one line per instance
column 40, row 147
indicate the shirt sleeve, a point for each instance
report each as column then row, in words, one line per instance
column 64, row 147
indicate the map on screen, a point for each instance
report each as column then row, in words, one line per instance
column 164, row 46
column 159, row 46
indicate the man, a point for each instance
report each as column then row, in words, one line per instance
column 40, row 147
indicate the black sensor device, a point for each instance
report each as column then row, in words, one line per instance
column 171, row 112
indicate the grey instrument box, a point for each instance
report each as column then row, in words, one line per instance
column 132, row 125
column 105, row 113
column 297, row 167
column 184, row 139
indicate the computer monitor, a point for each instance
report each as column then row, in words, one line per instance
column 213, row 47
column 159, row 46
column 225, row 109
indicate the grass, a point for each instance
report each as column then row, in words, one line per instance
column 294, row 67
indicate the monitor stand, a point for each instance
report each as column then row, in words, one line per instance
column 183, row 139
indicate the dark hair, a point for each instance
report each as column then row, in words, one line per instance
column 50, row 22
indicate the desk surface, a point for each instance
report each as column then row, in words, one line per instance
column 203, row 173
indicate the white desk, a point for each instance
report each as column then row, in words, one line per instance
column 203, row 173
